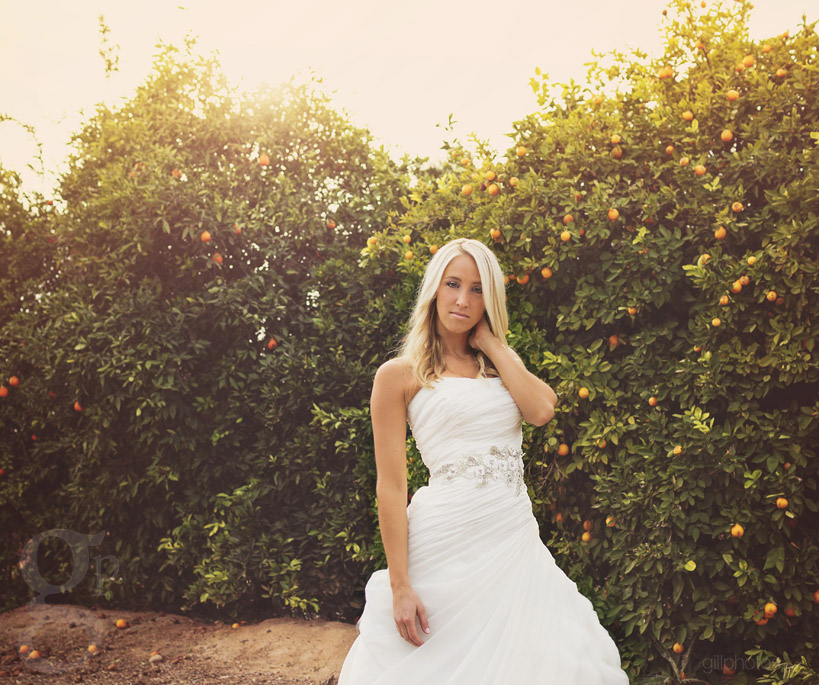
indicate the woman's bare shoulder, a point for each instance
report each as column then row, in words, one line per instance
column 396, row 373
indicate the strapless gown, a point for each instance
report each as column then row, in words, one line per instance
column 500, row 611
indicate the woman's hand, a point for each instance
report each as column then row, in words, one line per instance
column 406, row 605
column 481, row 335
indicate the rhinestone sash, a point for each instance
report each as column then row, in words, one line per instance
column 499, row 464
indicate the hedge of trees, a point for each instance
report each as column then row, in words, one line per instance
column 195, row 319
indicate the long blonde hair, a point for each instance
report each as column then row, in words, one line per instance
column 421, row 347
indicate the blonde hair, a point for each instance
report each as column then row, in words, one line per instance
column 421, row 346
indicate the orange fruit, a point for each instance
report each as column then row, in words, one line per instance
column 24, row 649
column 408, row 254
column 493, row 189
column 723, row 300
column 631, row 310
column 748, row 61
column 770, row 609
column 582, row 232
column 705, row 258
column 613, row 214
column 688, row 115
column 751, row 260
column 237, row 229
column 522, row 151
column 697, row 348
column 736, row 286
column 677, row 449
column 781, row 503
column 789, row 611
column 614, row 341
column 467, row 189
column 597, row 100
column 727, row 136
column 737, row 207
column 494, row 232
column 737, row 531
column 568, row 219
column 176, row 173
column 744, row 280
column 740, row 68
column 699, row 170
column 578, row 196
column 4, row 391
column 615, row 139
column 558, row 517
column 678, row 648
column 523, row 280
column 372, row 240
column 35, row 654
column 652, row 401
column 271, row 343
column 732, row 95
column 771, row 296
column 433, row 249
column 121, row 623
column 715, row 322
column 490, row 176
column 586, row 536
column 816, row 597
column 565, row 236
column 617, row 152
column 610, row 521
column 77, row 406
column 217, row 258
column 583, row 393
column 601, row 443
column 781, row 73
column 766, row 48
column 669, row 150
column 588, row 525
column 563, row 450
column 14, row 381
column 513, row 181
column 205, row 237
column 684, row 161
column 546, row 272
column 234, row 626
column 264, row 160
column 720, row 233
column 699, row 45
column 465, row 161
column 93, row 649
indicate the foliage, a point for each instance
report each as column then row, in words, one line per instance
column 196, row 365
column 699, row 415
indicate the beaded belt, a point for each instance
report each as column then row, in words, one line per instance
column 503, row 465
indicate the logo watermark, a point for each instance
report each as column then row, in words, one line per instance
column 78, row 543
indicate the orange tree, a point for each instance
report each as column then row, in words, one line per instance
column 659, row 231
column 172, row 321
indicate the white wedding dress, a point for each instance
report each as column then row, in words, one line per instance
column 500, row 611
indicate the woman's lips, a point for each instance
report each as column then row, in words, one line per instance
column 462, row 316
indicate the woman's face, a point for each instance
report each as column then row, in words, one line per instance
column 459, row 301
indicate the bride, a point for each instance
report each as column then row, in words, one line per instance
column 471, row 594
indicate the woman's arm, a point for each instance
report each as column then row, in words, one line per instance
column 389, row 418
column 535, row 399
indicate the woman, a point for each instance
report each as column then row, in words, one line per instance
column 471, row 595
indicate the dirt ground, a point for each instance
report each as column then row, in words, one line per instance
column 284, row 651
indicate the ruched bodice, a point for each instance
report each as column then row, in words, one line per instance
column 463, row 415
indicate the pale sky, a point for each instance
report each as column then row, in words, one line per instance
column 397, row 68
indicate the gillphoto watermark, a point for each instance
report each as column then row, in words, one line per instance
column 79, row 544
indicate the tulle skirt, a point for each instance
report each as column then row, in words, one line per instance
column 500, row 611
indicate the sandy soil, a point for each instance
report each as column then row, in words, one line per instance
column 284, row 651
